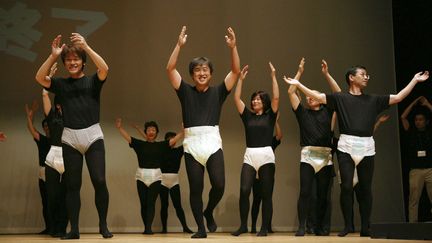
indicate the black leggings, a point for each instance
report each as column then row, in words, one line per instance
column 174, row 192
column 195, row 172
column 56, row 190
column 73, row 162
column 307, row 176
column 44, row 197
column 257, row 198
column 266, row 177
column 148, row 196
column 364, row 197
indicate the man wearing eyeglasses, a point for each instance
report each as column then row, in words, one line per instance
column 357, row 113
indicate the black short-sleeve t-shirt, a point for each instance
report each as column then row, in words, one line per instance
column 55, row 125
column 258, row 128
column 419, row 142
column 201, row 108
column 173, row 159
column 275, row 143
column 357, row 114
column 80, row 99
column 44, row 146
column 315, row 126
column 150, row 154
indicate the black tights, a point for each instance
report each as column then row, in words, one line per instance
column 44, row 197
column 195, row 172
column 364, row 196
column 257, row 198
column 148, row 196
column 174, row 192
column 307, row 176
column 73, row 162
column 266, row 177
column 56, row 190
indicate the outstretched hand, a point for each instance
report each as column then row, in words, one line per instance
column 182, row 37
column 230, row 38
column 118, row 123
column 272, row 70
column 244, row 72
column 301, row 65
column 56, row 46
column 421, row 76
column 53, row 70
column 78, row 40
column 324, row 67
column 291, row 81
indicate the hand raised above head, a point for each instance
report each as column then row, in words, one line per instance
column 182, row 37
column 56, row 46
column 230, row 38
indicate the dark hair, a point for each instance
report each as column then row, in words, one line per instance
column 170, row 135
column 265, row 98
column 352, row 71
column 151, row 124
column 44, row 122
column 199, row 61
column 74, row 49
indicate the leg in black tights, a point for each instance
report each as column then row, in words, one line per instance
column 56, row 200
column 176, row 200
column 307, row 174
column 45, row 211
column 365, row 174
column 256, row 191
column 164, row 196
column 143, row 194
column 247, row 179
column 323, row 178
column 195, row 171
column 346, row 168
column 266, row 176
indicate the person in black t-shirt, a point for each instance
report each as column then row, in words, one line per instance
column 201, row 108
column 357, row 113
column 256, row 188
column 259, row 159
column 82, row 135
column 43, row 145
column 151, row 154
column 316, row 125
column 420, row 155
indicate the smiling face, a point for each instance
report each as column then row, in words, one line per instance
column 201, row 75
column 73, row 64
column 257, row 104
column 151, row 133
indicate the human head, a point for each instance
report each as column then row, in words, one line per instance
column 73, row 52
column 199, row 61
column 169, row 135
column 260, row 100
column 151, row 130
column 201, row 70
column 352, row 71
column 420, row 121
column 45, row 126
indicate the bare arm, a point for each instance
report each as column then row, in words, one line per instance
column 333, row 121
column 46, row 101
column 30, row 126
column 232, row 76
column 102, row 67
column 173, row 74
column 320, row 97
column 237, row 94
column 42, row 75
column 418, row 77
column 380, row 121
column 174, row 140
column 330, row 80
column 275, row 89
column 140, row 130
column 294, row 97
column 406, row 112
column 123, row 132
column 278, row 131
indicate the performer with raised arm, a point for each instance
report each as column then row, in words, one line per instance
column 419, row 153
column 316, row 125
column 201, row 108
column 151, row 155
column 82, row 135
column 259, row 159
column 356, row 114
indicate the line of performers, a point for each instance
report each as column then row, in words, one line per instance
column 74, row 133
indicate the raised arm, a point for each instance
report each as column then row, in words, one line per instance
column 46, row 101
column 232, row 76
column 173, row 74
column 30, row 114
column 278, row 131
column 275, row 89
column 330, row 80
column 42, row 75
column 379, row 121
column 320, row 97
column 406, row 112
column 418, row 77
column 140, row 130
column 123, row 132
column 294, row 97
column 176, row 138
column 102, row 67
column 237, row 94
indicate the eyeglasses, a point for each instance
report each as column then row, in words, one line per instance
column 367, row 76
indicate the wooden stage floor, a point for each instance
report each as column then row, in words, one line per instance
column 211, row 238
